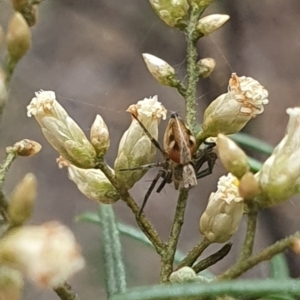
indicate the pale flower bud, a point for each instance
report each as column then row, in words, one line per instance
column 3, row 90
column 230, row 112
column 279, row 177
column 224, row 211
column 26, row 147
column 18, row 37
column 93, row 184
column 160, row 70
column 209, row 24
column 48, row 254
column 296, row 245
column 11, row 284
column 206, row 67
column 232, row 157
column 61, row 131
column 184, row 274
column 135, row 148
column 19, row 5
column 22, row 200
column 99, row 136
column 248, row 187
column 172, row 12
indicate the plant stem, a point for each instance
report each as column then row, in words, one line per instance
column 192, row 75
column 169, row 254
column 212, row 259
column 64, row 292
column 4, row 167
column 142, row 221
column 194, row 254
column 242, row 266
column 250, row 236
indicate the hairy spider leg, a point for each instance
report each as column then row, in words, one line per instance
column 152, row 139
column 161, row 173
column 206, row 156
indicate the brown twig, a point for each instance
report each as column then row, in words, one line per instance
column 65, row 292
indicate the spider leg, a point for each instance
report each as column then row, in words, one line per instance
column 211, row 160
column 161, row 173
column 153, row 140
column 167, row 179
column 145, row 167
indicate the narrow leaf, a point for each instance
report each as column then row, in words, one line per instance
column 247, row 288
column 253, row 143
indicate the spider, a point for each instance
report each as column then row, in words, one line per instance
column 181, row 165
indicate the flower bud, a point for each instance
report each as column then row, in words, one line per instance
column 61, row 131
column 184, row 274
column 3, row 89
column 248, row 187
column 172, row 12
column 230, row 112
column 209, row 24
column 279, row 177
column 18, row 37
column 93, row 184
column 296, row 245
column 205, row 67
column 224, row 211
column 99, row 136
column 11, row 284
column 232, row 157
column 135, row 148
column 160, row 70
column 19, row 5
column 22, row 200
column 27, row 147
column 1, row 36
column 48, row 254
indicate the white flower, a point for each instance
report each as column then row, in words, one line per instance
column 48, row 254
column 230, row 112
column 61, row 131
column 135, row 148
column 224, row 211
column 210, row 23
column 279, row 178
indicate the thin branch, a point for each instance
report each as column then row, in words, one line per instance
column 142, row 221
column 64, row 292
column 212, row 259
column 194, row 254
column 168, row 258
column 242, row 266
column 247, row 248
column 4, row 167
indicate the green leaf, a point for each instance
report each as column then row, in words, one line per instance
column 253, row 143
column 115, row 278
column 279, row 268
column 254, row 164
column 89, row 217
column 246, row 288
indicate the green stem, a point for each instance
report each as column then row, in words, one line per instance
column 242, row 266
column 142, row 221
column 192, row 74
column 4, row 167
column 250, row 236
column 212, row 259
column 113, row 262
column 169, row 254
column 194, row 254
column 64, row 292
